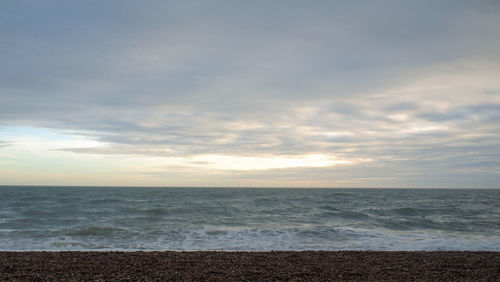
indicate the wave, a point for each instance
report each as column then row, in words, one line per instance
column 100, row 231
column 255, row 239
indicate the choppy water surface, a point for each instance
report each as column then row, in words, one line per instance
column 95, row 218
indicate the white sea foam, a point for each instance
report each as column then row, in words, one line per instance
column 264, row 240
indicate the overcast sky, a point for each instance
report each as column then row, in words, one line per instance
column 250, row 93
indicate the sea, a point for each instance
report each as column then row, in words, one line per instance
column 247, row 219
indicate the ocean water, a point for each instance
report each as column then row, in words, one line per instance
column 99, row 218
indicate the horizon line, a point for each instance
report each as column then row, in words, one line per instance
column 240, row 187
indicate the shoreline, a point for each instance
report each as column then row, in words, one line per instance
column 243, row 265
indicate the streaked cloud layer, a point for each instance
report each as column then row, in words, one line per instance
column 258, row 93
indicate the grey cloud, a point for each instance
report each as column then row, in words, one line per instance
column 170, row 78
column 4, row 144
column 186, row 49
column 486, row 112
column 401, row 106
column 441, row 117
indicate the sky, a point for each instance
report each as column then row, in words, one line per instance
column 250, row 93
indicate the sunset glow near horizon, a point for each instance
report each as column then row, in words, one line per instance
column 257, row 94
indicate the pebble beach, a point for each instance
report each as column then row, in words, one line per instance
column 250, row 266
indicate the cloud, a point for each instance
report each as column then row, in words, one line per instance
column 410, row 85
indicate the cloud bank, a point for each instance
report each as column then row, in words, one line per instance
column 197, row 93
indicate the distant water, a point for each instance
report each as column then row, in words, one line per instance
column 70, row 218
